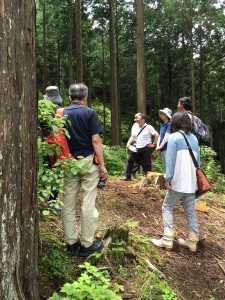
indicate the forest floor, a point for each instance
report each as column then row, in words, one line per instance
column 191, row 276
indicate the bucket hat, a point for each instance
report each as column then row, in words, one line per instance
column 166, row 111
column 52, row 94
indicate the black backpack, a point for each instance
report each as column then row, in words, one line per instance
column 200, row 130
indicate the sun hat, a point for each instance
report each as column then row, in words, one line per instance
column 52, row 94
column 166, row 111
column 137, row 116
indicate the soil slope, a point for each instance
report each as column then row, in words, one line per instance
column 195, row 276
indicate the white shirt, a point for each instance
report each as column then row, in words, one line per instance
column 145, row 137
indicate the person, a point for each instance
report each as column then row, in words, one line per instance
column 131, row 145
column 185, row 104
column 84, row 130
column 181, row 183
column 199, row 129
column 165, row 130
column 146, row 138
column 51, row 94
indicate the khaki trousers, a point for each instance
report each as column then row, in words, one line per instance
column 86, row 181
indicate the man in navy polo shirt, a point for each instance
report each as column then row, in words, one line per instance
column 84, row 141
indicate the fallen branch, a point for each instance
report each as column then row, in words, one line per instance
column 214, row 254
column 127, row 296
column 54, row 224
column 220, row 263
column 153, row 267
column 106, row 244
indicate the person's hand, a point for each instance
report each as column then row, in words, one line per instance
column 103, row 172
column 157, row 149
column 128, row 145
column 151, row 145
column 168, row 186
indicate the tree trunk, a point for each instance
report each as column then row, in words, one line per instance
column 141, row 93
column 103, row 85
column 58, row 65
column 79, row 64
column 115, row 118
column 44, row 80
column 192, row 59
column 70, row 42
column 18, row 152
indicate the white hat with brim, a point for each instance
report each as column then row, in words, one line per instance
column 166, row 111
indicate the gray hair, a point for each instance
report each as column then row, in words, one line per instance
column 78, row 91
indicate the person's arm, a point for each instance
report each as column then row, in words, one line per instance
column 130, row 141
column 97, row 144
column 155, row 137
column 171, row 156
column 164, row 141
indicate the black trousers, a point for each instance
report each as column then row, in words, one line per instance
column 143, row 156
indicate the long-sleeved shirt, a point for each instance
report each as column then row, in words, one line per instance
column 180, row 169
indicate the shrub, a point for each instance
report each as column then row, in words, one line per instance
column 92, row 284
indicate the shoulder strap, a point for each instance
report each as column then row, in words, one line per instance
column 190, row 150
column 60, row 111
column 141, row 130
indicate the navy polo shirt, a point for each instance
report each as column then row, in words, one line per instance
column 84, row 123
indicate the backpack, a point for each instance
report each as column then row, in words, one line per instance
column 59, row 139
column 200, row 130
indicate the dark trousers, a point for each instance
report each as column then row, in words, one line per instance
column 143, row 156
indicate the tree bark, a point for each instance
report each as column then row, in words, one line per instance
column 70, row 42
column 192, row 58
column 79, row 63
column 114, row 101
column 141, row 92
column 44, row 79
column 18, row 152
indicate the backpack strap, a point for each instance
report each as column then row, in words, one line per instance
column 141, row 130
column 60, row 111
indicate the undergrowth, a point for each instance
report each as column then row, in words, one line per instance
column 124, row 248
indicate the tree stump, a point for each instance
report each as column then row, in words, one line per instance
column 157, row 179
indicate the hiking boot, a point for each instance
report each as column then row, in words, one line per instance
column 190, row 242
column 126, row 179
column 73, row 249
column 167, row 240
column 95, row 247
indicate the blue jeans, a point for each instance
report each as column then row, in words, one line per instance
column 188, row 202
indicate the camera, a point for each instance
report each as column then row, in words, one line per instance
column 101, row 183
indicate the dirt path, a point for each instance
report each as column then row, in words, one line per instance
column 194, row 276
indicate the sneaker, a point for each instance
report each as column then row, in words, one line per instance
column 95, row 247
column 126, row 179
column 73, row 249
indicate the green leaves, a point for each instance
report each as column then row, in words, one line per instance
column 50, row 178
column 92, row 284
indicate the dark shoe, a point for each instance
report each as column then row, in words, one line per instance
column 95, row 247
column 126, row 179
column 73, row 249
